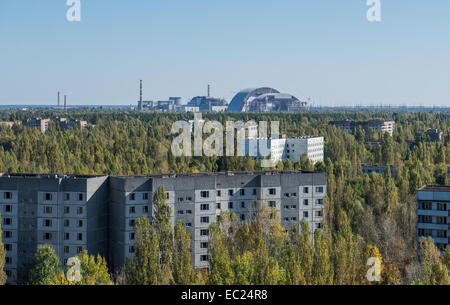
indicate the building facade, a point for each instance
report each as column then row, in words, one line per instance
column 98, row 214
column 285, row 148
column 66, row 212
column 433, row 211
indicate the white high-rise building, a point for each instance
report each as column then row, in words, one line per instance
column 284, row 148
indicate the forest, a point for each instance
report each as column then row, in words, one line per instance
column 366, row 216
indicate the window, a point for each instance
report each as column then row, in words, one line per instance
column 305, row 214
column 242, row 192
column 286, row 195
column 243, row 217
column 294, row 194
column 294, row 218
column 218, row 205
column 425, row 205
column 204, row 207
column 293, row 206
column 145, row 209
column 441, row 220
column 132, row 236
column 47, row 222
column 80, row 197
column 80, row 236
column 425, row 219
column 48, row 196
column 272, row 191
column 230, row 192
column 203, row 258
column 66, row 210
column 230, row 205
column 204, row 194
column 188, row 225
column 181, row 199
column 79, row 250
column 305, row 190
column 7, row 195
column 67, row 198
column 66, row 236
column 272, row 204
column 67, row 223
column 47, row 236
column 80, row 223
column 188, row 211
column 7, row 234
column 204, row 219
column 204, row 232
column 243, row 204
column 219, row 193
column 8, row 247
column 319, row 225
column 319, row 214
column 47, row 210
column 145, row 196
column 287, row 207
column 442, row 207
column 131, row 249
column 204, row 245
column 8, row 260
column 7, row 221
column 132, row 196
column 167, row 195
column 181, row 212
column 319, row 201
column 8, row 208
column 132, row 210
column 441, row 234
column 132, row 222
column 305, row 202
column 319, row 189
column 66, row 249
column 80, row 210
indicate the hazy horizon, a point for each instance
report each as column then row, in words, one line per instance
column 318, row 49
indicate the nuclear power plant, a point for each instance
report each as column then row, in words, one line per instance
column 264, row 99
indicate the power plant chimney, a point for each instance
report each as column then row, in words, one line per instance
column 65, row 102
column 209, row 90
column 140, row 99
column 58, row 98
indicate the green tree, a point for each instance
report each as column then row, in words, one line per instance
column 220, row 265
column 183, row 273
column 143, row 269
column 93, row 271
column 322, row 270
column 45, row 267
column 433, row 271
column 164, row 230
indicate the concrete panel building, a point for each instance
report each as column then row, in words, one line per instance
column 66, row 212
column 433, row 211
column 98, row 213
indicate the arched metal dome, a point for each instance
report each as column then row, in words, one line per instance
column 241, row 98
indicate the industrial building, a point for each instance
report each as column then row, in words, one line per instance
column 284, row 148
column 98, row 213
column 433, row 211
column 375, row 125
column 265, row 99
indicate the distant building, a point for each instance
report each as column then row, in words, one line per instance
column 206, row 103
column 63, row 123
column 369, row 169
column 7, row 124
column 285, row 148
column 433, row 134
column 433, row 210
column 376, row 125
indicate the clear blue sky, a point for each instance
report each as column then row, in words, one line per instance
column 323, row 49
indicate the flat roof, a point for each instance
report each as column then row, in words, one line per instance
column 436, row 188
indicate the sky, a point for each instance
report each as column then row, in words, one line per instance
column 325, row 50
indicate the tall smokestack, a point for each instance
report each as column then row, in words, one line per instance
column 209, row 90
column 65, row 102
column 140, row 98
column 58, row 98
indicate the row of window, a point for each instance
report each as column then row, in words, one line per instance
column 49, row 222
column 47, row 196
column 429, row 219
column 429, row 233
column 428, row 205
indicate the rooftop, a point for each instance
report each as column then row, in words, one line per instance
column 436, row 188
